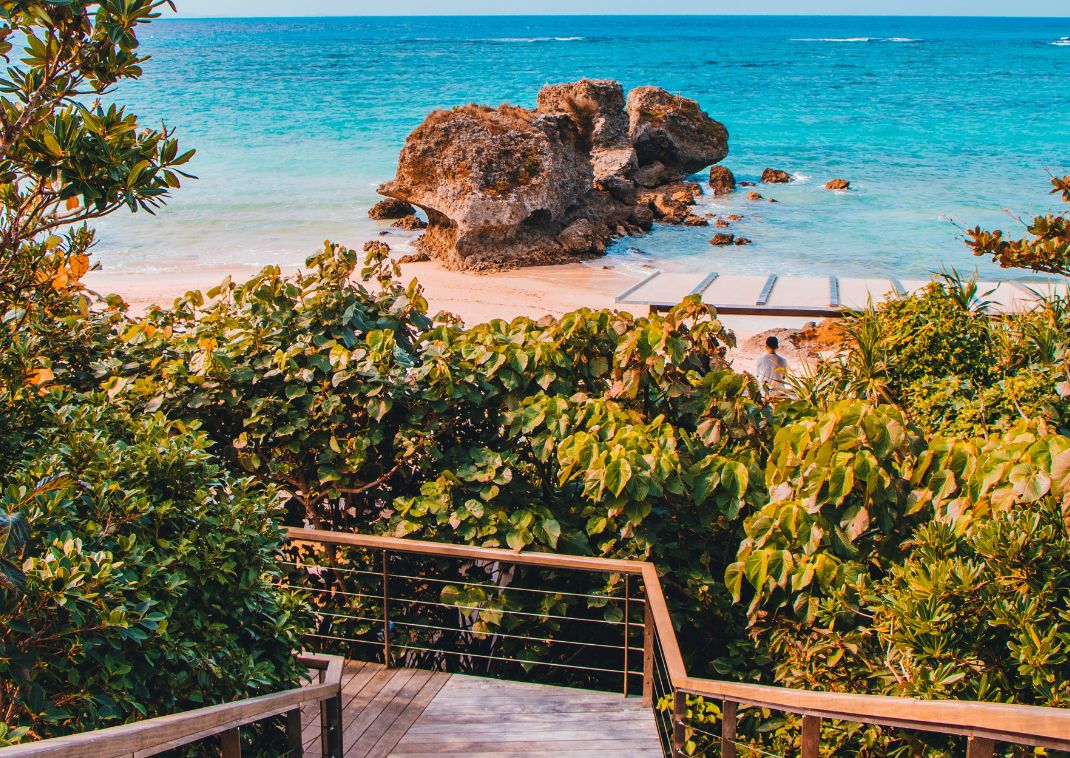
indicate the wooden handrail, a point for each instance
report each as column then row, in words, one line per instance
column 444, row 550
column 152, row 736
column 986, row 721
column 1020, row 724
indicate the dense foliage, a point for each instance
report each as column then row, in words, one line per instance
column 605, row 434
column 135, row 570
column 141, row 568
column 65, row 158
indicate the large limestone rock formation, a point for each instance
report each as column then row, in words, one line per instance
column 505, row 187
column 673, row 131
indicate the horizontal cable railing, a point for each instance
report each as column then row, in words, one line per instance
column 469, row 612
column 223, row 722
column 475, row 610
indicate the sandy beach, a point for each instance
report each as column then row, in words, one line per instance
column 533, row 292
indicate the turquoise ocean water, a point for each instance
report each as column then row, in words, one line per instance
column 297, row 120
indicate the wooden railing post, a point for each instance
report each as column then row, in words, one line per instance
column 627, row 627
column 979, row 747
column 728, row 729
column 331, row 727
column 648, row 655
column 679, row 719
column 231, row 740
column 386, row 608
column 293, row 733
column 811, row 736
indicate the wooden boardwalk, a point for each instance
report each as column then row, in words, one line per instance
column 407, row 712
column 812, row 296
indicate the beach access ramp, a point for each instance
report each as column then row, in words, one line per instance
column 814, row 296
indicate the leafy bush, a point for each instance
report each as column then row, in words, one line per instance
column 979, row 614
column 935, row 334
column 598, row 434
column 144, row 575
column 841, row 501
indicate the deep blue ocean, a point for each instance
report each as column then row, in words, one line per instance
column 935, row 121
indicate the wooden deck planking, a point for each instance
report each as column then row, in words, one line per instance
column 795, row 295
column 407, row 712
column 482, row 717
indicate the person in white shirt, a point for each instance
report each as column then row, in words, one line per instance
column 772, row 368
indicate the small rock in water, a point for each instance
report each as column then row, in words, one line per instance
column 643, row 217
column 733, row 217
column 754, row 196
column 391, row 208
column 742, row 241
column 838, row 184
column 723, row 238
column 773, row 200
column 692, row 220
column 775, row 176
column 409, row 224
column 746, row 184
column 722, row 180
column 721, row 224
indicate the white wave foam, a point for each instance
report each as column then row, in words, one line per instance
column 800, row 178
column 856, row 39
column 833, row 39
column 531, row 39
column 1062, row 42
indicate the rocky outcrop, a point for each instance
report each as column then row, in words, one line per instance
column 754, row 195
column 742, row 241
column 673, row 131
column 775, row 176
column 722, row 180
column 391, row 208
column 410, row 223
column 505, row 187
column 838, row 184
column 723, row 238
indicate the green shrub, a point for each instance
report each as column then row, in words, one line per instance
column 932, row 334
column 980, row 613
column 146, row 575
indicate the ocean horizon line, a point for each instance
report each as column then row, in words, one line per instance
column 344, row 16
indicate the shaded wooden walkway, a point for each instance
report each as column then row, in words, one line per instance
column 406, row 712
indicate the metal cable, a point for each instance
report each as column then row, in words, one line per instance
column 510, row 636
column 452, row 606
column 512, row 660
column 330, row 591
column 344, row 616
column 378, row 574
column 377, row 643
column 509, row 588
column 504, row 610
column 504, row 588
